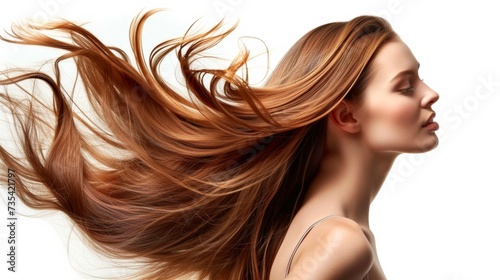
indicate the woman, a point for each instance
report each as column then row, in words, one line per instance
column 364, row 135
column 230, row 181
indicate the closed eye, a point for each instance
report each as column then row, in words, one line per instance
column 407, row 90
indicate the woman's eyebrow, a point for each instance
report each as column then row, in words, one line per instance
column 405, row 73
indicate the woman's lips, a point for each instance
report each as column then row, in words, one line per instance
column 432, row 125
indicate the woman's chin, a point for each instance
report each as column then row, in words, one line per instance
column 427, row 145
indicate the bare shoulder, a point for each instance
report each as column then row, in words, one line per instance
column 336, row 248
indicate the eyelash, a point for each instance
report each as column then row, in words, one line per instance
column 409, row 90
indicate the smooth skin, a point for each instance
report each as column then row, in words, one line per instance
column 363, row 140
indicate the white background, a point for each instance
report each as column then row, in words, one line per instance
column 438, row 214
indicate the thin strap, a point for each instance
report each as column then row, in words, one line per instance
column 300, row 241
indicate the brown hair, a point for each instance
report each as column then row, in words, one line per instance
column 206, row 183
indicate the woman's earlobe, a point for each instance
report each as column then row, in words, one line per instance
column 342, row 117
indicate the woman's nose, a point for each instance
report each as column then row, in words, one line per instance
column 430, row 97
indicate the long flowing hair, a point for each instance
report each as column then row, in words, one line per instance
column 203, row 183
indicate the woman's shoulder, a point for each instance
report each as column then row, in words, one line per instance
column 340, row 227
column 335, row 248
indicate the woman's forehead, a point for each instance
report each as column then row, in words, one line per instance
column 393, row 58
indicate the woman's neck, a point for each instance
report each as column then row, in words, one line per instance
column 348, row 180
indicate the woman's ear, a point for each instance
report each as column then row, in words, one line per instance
column 343, row 117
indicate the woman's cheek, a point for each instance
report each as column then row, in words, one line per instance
column 390, row 124
column 403, row 114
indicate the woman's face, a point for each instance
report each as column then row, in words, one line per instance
column 396, row 114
